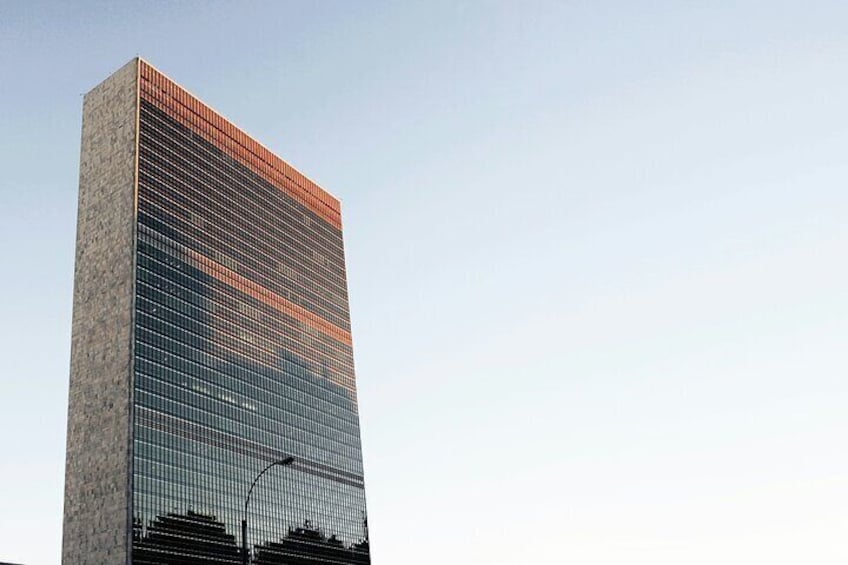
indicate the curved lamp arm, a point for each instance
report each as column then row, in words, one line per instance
column 283, row 463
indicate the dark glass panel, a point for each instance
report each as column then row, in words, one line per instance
column 234, row 371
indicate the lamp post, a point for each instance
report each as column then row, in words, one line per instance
column 283, row 463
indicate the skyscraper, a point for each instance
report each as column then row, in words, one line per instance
column 211, row 338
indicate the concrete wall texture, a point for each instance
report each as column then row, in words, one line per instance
column 97, row 521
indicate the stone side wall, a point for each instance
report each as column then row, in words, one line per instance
column 97, row 521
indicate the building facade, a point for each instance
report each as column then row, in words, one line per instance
column 211, row 338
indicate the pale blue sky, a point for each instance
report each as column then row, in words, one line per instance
column 596, row 251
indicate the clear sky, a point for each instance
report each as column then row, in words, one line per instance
column 596, row 254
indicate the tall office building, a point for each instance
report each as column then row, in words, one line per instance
column 211, row 338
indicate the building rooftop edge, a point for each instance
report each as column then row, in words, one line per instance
column 138, row 60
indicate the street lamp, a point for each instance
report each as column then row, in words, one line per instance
column 283, row 463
